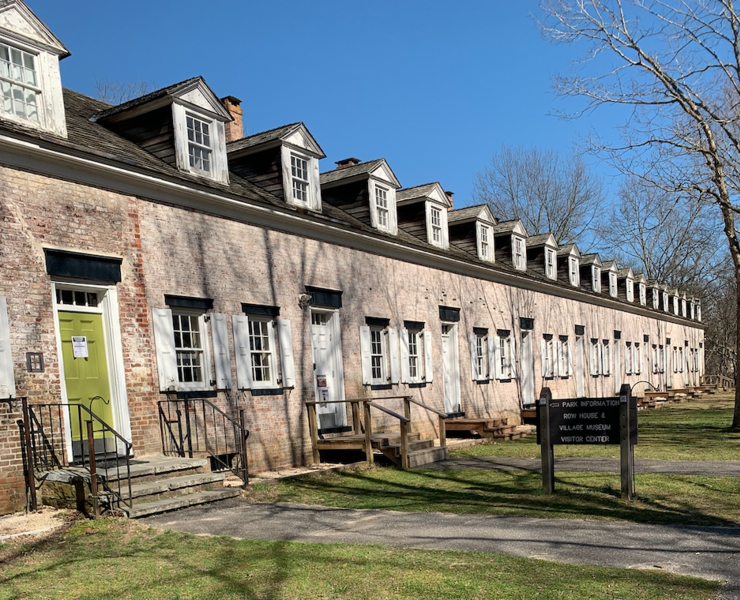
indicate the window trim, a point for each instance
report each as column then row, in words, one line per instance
column 550, row 268
column 596, row 278
column 275, row 380
column 613, row 287
column 629, row 290
column 385, row 377
column 488, row 229
column 307, row 181
column 443, row 241
column 418, row 338
column 195, row 118
column 573, row 271
column 518, row 252
column 35, row 88
column 219, row 163
column 203, row 318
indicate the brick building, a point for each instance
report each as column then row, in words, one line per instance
column 172, row 255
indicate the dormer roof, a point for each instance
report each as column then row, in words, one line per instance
column 378, row 168
column 591, row 259
column 513, row 226
column 569, row 250
column 296, row 134
column 19, row 21
column 609, row 265
column 640, row 278
column 626, row 273
column 542, row 239
column 426, row 191
column 193, row 91
column 479, row 212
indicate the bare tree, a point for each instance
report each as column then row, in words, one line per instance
column 547, row 192
column 677, row 67
column 115, row 92
column 669, row 237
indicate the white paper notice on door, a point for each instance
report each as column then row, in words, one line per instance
column 79, row 346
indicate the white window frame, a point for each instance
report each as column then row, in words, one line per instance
column 296, row 178
column 416, row 339
column 548, row 358
column 613, row 284
column 202, row 320
column 595, row 357
column 606, row 358
column 629, row 358
column 379, row 332
column 485, row 247
column 382, row 213
column 639, row 358
column 26, row 87
column 661, row 359
column 269, row 322
column 630, row 290
column 656, row 298
column 518, row 253
column 564, row 359
column 219, row 170
column 550, row 270
column 596, row 278
column 204, row 129
column 439, row 228
column 573, row 274
column 666, row 304
column 643, row 294
column 480, row 359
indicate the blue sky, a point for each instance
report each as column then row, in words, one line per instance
column 435, row 87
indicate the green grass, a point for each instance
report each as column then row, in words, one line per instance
column 110, row 559
column 697, row 430
column 662, row 499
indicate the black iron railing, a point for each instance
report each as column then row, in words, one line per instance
column 195, row 427
column 71, row 436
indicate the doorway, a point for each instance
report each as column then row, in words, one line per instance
column 89, row 347
column 450, row 369
column 327, row 361
column 527, row 368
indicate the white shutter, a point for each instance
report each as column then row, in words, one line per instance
column 543, row 355
column 428, row 370
column 221, row 357
column 241, row 346
column 493, row 357
column 365, row 353
column 594, row 359
column 7, row 379
column 393, row 354
column 512, row 356
column 473, row 353
column 569, row 358
column 286, row 352
column 405, row 356
column 557, row 357
column 164, row 340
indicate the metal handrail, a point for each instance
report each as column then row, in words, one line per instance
column 204, row 432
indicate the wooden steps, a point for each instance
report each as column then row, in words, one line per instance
column 493, row 429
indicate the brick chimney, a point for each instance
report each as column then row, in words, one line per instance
column 234, row 129
column 347, row 162
column 450, row 198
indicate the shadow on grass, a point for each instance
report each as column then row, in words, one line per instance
column 578, row 495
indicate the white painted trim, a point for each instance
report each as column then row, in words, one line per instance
column 31, row 155
column 219, row 160
column 336, row 358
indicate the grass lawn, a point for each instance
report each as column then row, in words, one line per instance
column 107, row 559
column 694, row 430
column 661, row 499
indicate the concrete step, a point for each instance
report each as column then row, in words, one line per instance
column 168, row 504
column 424, row 457
column 155, row 468
column 174, row 484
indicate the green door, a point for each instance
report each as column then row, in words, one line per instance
column 86, row 377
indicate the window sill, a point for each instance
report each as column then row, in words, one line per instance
column 266, row 391
column 505, row 380
column 418, row 384
column 186, row 395
column 482, row 381
column 381, row 386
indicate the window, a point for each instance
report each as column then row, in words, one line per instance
column 550, row 263
column 504, row 358
column 72, row 297
column 564, row 358
column 199, row 144
column 381, row 207
column 613, row 285
column 665, row 302
column 573, row 266
column 485, row 246
column 661, row 359
column 656, row 365
column 414, row 355
column 377, row 356
column 595, row 357
column 519, row 261
column 643, row 294
column 656, row 303
column 606, row 358
column 596, row 279
column 630, row 290
column 189, row 349
column 261, row 349
column 436, row 220
column 299, row 172
column 629, row 358
column 18, row 83
column 637, row 360
column 480, row 356
column 549, row 368
column 680, row 359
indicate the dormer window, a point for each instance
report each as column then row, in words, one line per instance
column 484, row 236
column 665, row 302
column 613, row 285
column 550, row 263
column 643, row 294
column 573, row 271
column 630, row 290
column 519, row 258
column 299, row 172
column 18, row 83
column 656, row 301
column 381, row 208
column 199, row 144
column 596, row 279
column 435, row 218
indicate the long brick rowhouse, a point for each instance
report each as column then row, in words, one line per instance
column 149, row 252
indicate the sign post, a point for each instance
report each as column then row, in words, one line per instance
column 548, row 459
column 626, row 450
column 600, row 421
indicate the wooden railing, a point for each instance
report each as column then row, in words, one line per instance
column 357, row 424
column 726, row 383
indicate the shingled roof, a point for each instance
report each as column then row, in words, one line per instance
column 467, row 213
column 351, row 171
column 262, row 138
column 417, row 191
column 539, row 240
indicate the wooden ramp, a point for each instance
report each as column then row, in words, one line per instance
column 495, row 429
column 405, row 448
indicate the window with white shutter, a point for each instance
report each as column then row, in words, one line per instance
column 377, row 359
column 479, row 355
column 595, row 357
column 606, row 366
column 221, row 358
column 285, row 338
column 7, row 378
column 428, row 367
